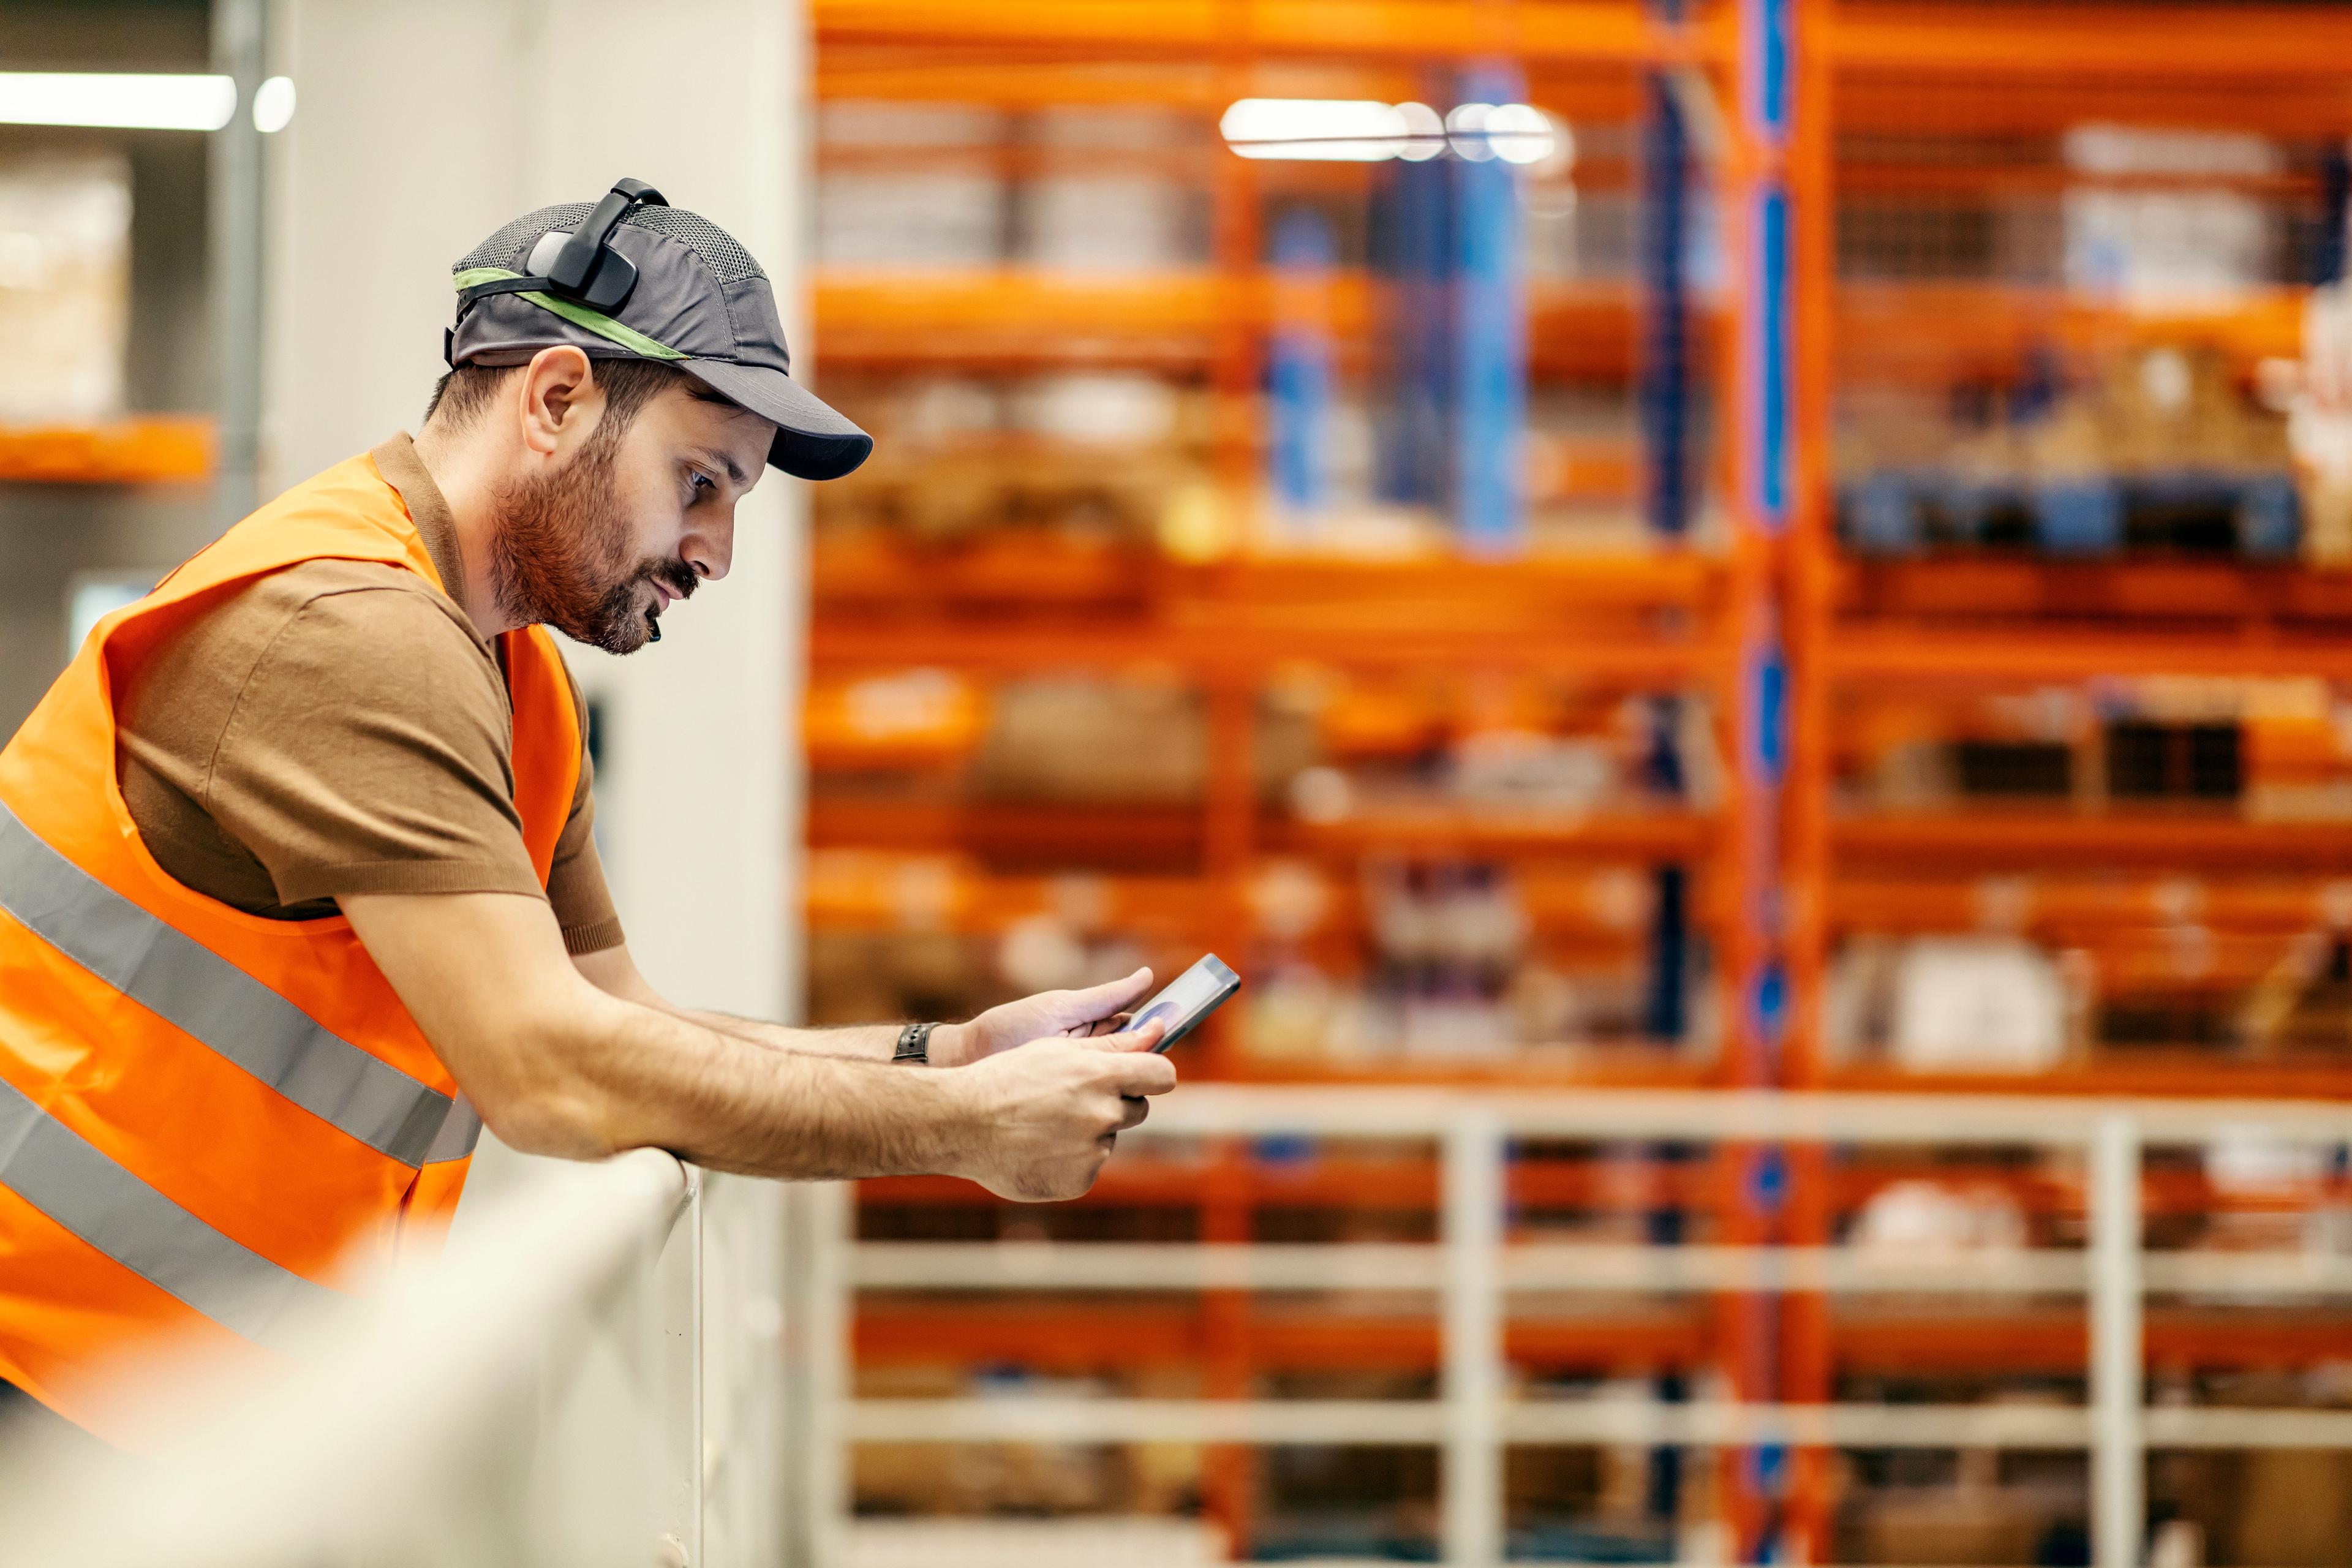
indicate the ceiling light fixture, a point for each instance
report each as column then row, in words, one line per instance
column 1362, row 131
column 117, row 100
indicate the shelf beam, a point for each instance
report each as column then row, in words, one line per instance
column 2010, row 43
column 158, row 450
column 1597, row 32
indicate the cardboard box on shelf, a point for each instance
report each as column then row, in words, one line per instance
column 2161, row 448
column 1110, row 222
column 1977, row 1004
column 1033, row 1479
column 1073, row 738
column 65, row 288
column 856, row 977
column 1962, row 1524
column 2282, row 1509
column 870, row 218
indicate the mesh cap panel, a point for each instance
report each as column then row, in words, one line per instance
column 728, row 261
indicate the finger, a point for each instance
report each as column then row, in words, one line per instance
column 1136, row 1108
column 1102, row 1001
column 1123, row 1040
column 1142, row 1072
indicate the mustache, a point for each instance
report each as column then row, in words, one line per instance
column 676, row 575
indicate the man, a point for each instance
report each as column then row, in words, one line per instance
column 296, row 874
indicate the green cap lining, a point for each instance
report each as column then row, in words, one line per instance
column 579, row 315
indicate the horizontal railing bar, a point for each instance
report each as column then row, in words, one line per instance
column 1146, row 1266
column 2246, row 1273
column 1617, row 1115
column 1556, row 1267
column 1814, row 1426
column 1415, row 1423
column 1563, row 1267
column 1377, row 1423
column 316, row 1456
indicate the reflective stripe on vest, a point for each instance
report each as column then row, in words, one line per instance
column 226, row 1009
column 62, row 1174
column 459, row 1134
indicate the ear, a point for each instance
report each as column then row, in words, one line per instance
column 560, row 398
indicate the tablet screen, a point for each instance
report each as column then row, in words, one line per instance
column 1189, row 998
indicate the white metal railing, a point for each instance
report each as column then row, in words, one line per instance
column 533, row 1397
column 565, row 1387
column 1475, row 1273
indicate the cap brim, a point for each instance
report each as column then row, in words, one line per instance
column 813, row 440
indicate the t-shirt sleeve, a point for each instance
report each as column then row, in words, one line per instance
column 367, row 753
column 575, row 880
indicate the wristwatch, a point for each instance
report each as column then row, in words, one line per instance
column 915, row 1044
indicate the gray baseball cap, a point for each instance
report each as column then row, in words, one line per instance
column 698, row 303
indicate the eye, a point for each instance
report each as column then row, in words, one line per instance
column 700, row 483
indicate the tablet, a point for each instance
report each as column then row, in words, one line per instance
column 1187, row 999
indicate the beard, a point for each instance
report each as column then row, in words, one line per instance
column 560, row 555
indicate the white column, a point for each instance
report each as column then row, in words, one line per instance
column 700, row 799
column 421, row 129
column 1471, row 1473
column 2119, row 1447
column 401, row 157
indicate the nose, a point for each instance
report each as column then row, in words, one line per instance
column 710, row 548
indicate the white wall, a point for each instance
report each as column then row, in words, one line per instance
column 424, row 126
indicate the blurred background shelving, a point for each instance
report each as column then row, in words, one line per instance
column 1990, row 732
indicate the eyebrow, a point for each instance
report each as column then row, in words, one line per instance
column 719, row 460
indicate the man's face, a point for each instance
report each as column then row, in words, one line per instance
column 639, row 516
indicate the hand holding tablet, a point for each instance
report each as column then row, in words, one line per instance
column 1186, row 1000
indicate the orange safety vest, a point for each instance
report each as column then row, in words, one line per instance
column 200, row 1109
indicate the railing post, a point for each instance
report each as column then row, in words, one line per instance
column 817, row 1357
column 2117, row 1444
column 675, row 1384
column 1471, row 1484
column 742, row 1372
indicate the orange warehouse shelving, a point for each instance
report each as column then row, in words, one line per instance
column 1785, row 872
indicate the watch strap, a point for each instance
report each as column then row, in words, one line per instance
column 915, row 1044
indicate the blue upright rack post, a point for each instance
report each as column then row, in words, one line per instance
column 1490, row 324
column 1411, row 247
column 1299, row 367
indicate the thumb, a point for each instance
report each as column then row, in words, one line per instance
column 1097, row 1002
column 1142, row 1039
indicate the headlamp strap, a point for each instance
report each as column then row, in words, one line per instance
column 587, row 269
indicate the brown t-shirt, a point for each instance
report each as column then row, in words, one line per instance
column 340, row 727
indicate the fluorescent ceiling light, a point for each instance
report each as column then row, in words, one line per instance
column 273, row 104
column 1359, row 130
column 1520, row 133
column 141, row 102
column 1425, row 133
column 1327, row 130
column 1465, row 131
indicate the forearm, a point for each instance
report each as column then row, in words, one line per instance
column 615, row 974
column 867, row 1042
column 641, row 1076
column 575, row 1058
